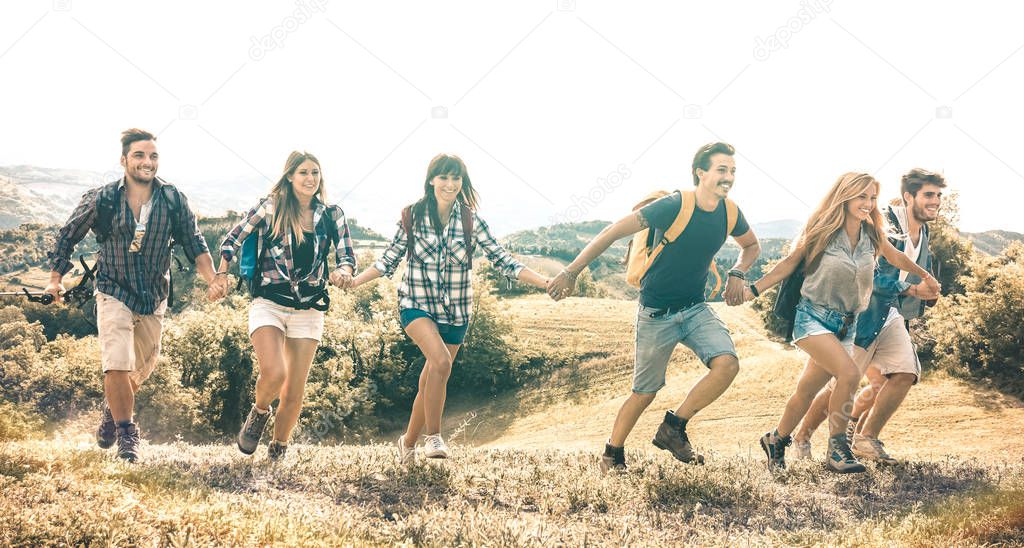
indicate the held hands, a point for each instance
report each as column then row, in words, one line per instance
column 748, row 295
column 562, row 285
column 735, row 291
column 218, row 288
column 923, row 291
column 342, row 279
column 930, row 283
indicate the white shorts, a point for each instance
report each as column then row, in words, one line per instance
column 295, row 324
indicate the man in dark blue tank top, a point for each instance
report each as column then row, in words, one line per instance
column 672, row 308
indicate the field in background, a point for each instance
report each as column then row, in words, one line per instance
column 524, row 470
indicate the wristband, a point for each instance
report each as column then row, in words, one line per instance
column 737, row 273
column 221, row 274
column 753, row 289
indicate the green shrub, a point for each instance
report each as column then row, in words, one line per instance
column 980, row 333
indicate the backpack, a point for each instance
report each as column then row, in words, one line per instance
column 642, row 251
column 467, row 233
column 106, row 204
column 255, row 244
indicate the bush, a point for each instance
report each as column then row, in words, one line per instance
column 981, row 332
column 19, row 422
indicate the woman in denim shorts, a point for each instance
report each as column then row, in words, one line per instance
column 437, row 236
column 296, row 230
column 837, row 250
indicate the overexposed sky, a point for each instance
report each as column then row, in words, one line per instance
column 562, row 110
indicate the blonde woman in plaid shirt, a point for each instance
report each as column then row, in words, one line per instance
column 436, row 294
column 286, row 319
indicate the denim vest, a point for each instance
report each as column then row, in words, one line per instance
column 888, row 288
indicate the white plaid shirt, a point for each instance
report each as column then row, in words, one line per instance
column 438, row 279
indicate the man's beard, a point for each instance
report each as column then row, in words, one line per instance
column 920, row 215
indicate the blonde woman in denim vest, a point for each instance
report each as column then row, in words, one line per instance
column 438, row 235
column 838, row 249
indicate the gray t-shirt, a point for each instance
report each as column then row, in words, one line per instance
column 679, row 274
column 844, row 277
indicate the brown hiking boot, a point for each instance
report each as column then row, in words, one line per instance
column 671, row 436
column 128, row 442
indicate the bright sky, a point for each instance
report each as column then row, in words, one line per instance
column 562, row 110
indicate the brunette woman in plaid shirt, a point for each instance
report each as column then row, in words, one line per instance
column 296, row 228
column 436, row 294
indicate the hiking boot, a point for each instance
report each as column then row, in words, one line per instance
column 128, row 442
column 840, row 459
column 851, row 428
column 774, row 447
column 613, row 459
column 406, row 454
column 802, row 449
column 871, row 449
column 251, row 432
column 276, row 450
column 671, row 436
column 106, row 434
column 434, row 447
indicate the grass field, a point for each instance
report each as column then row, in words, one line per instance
column 524, row 469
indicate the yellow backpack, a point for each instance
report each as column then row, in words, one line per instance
column 642, row 252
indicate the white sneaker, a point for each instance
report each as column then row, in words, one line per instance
column 406, row 454
column 434, row 447
column 871, row 449
column 802, row 449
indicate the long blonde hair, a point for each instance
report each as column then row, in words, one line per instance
column 286, row 205
column 830, row 216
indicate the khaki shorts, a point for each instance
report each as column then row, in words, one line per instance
column 128, row 341
column 295, row 324
column 891, row 352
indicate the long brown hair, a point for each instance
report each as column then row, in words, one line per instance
column 830, row 216
column 287, row 214
column 444, row 164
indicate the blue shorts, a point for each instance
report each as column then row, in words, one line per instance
column 697, row 327
column 816, row 319
column 450, row 334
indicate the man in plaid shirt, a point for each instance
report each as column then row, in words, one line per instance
column 132, row 276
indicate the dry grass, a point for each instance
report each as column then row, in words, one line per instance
column 526, row 472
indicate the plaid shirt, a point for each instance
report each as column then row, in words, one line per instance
column 438, row 280
column 140, row 280
column 277, row 265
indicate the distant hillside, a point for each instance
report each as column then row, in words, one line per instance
column 992, row 242
column 786, row 229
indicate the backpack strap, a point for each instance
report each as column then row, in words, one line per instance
column 105, row 204
column 689, row 203
column 407, row 226
column 732, row 215
column 467, row 233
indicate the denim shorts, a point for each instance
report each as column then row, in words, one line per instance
column 450, row 334
column 697, row 327
column 816, row 319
